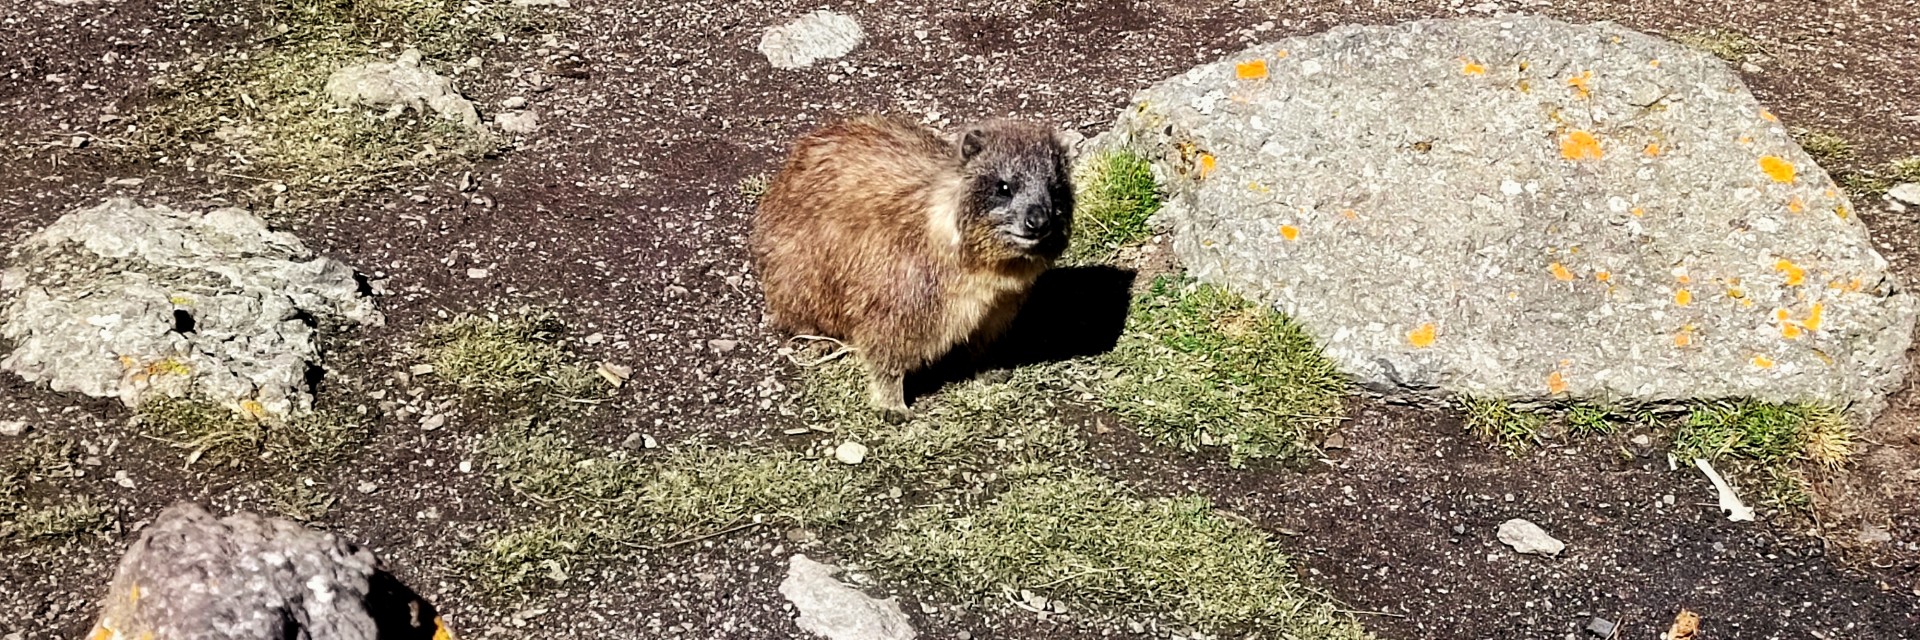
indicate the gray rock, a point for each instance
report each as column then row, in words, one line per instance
column 1906, row 193
column 1527, row 537
column 517, row 122
column 837, row 611
column 1521, row 208
column 400, row 85
column 1602, row 627
column 821, row 35
column 133, row 302
column 245, row 577
column 13, row 428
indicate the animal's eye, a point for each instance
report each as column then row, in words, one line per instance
column 1003, row 188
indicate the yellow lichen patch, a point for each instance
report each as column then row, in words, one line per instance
column 179, row 300
column 440, row 630
column 1290, row 232
column 1349, row 214
column 1653, row 149
column 1796, row 205
column 1603, row 275
column 1421, row 337
column 1762, row 361
column 1258, row 188
column 133, row 594
column 1655, row 63
column 168, row 366
column 1831, row 193
column 1768, row 116
column 1780, row 170
column 1816, row 315
column 1789, row 331
column 1560, row 272
column 1580, row 145
column 1841, row 211
column 254, row 408
column 1207, row 163
column 1251, row 70
column 128, row 362
column 1683, row 338
column 1582, row 84
column 1556, row 383
column 1281, row 54
column 101, row 633
column 1683, row 279
column 1745, row 140
column 1683, row 297
column 1793, row 273
column 1736, row 293
column 1639, row 212
column 1523, row 86
column 1471, row 68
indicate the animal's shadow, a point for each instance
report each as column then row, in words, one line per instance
column 398, row 612
column 1072, row 312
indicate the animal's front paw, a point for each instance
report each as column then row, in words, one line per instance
column 896, row 415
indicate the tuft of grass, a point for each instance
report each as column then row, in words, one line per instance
column 1826, row 148
column 971, row 425
column 513, row 359
column 1771, row 434
column 1086, row 540
column 1515, row 430
column 614, row 504
column 753, row 187
column 261, row 113
column 1200, row 367
column 76, row 516
column 300, row 499
column 1115, row 198
column 1786, row 488
column 225, row 436
column 1731, row 46
column 1867, row 184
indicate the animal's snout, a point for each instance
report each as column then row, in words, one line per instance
column 1036, row 222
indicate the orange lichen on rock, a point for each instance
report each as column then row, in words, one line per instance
column 1683, row 297
column 1290, row 232
column 1349, row 214
column 1768, row 116
column 1471, row 68
column 1816, row 315
column 1207, row 163
column 1421, row 337
column 1841, row 211
column 1789, row 331
column 1560, row 272
column 1793, row 273
column 1556, row 383
column 1582, row 84
column 1653, row 149
column 1796, row 205
column 1639, row 212
column 1762, row 362
column 1683, row 338
column 1779, row 169
column 1580, row 145
column 1281, row 54
column 1603, row 275
column 1251, row 70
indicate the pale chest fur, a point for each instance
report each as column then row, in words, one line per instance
column 974, row 299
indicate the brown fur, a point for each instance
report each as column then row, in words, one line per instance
column 875, row 232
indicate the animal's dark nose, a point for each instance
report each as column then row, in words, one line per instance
column 1036, row 221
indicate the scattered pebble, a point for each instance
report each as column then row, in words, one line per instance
column 723, row 346
column 850, row 453
column 1601, row 627
column 1527, row 537
column 1905, row 192
column 121, row 478
column 477, row 273
column 820, row 35
column 13, row 428
column 421, row 369
column 433, row 422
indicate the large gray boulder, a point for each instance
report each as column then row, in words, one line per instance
column 1522, row 208
column 133, row 302
column 246, row 577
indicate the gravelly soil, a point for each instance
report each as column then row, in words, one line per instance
column 624, row 212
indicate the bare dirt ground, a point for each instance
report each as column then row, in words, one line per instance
column 624, row 213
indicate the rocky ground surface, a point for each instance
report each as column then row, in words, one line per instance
column 624, row 210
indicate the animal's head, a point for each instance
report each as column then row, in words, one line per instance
column 1018, row 193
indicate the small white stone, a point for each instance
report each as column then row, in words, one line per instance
column 1906, row 192
column 12, row 428
column 850, row 453
column 121, row 478
column 1527, row 537
column 476, row 273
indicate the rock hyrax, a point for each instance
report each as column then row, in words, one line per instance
column 880, row 233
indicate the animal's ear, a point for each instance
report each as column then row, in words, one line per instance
column 971, row 143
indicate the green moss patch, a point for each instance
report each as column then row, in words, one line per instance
column 516, row 358
column 1115, row 196
column 1771, row 434
column 53, row 516
column 1086, row 541
column 1731, row 46
column 223, row 436
column 258, row 117
column 1199, row 367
